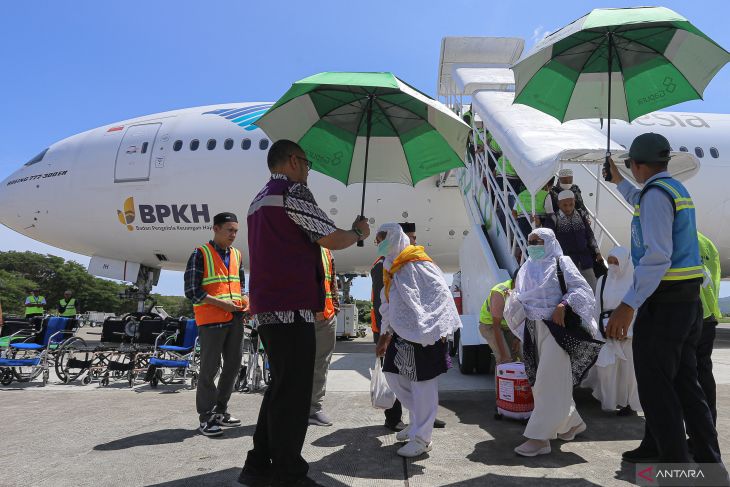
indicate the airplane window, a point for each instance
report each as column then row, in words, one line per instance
column 177, row 145
column 246, row 144
column 714, row 152
column 144, row 147
column 699, row 152
column 211, row 144
column 37, row 158
column 194, row 144
column 228, row 144
column 683, row 149
column 264, row 144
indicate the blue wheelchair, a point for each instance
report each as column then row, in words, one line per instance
column 176, row 354
column 29, row 352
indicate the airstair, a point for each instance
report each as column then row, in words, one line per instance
column 474, row 78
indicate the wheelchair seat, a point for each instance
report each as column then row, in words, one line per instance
column 174, row 348
column 26, row 346
column 22, row 362
column 158, row 362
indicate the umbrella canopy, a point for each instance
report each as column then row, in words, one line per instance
column 342, row 120
column 653, row 57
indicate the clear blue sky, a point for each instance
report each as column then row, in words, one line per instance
column 69, row 66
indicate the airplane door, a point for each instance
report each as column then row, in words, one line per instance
column 135, row 153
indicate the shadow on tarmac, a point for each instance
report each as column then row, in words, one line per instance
column 173, row 435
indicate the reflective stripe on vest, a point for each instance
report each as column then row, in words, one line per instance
column 69, row 308
column 329, row 305
column 486, row 313
column 35, row 310
column 686, row 262
column 219, row 282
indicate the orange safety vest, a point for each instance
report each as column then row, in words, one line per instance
column 219, row 282
column 373, row 320
column 329, row 304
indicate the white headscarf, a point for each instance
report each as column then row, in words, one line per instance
column 618, row 280
column 421, row 308
column 538, row 288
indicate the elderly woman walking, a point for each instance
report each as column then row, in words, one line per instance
column 418, row 314
column 558, row 330
column 612, row 378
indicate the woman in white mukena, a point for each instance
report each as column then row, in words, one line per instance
column 612, row 378
column 557, row 327
column 418, row 314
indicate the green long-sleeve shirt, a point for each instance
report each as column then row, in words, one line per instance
column 710, row 294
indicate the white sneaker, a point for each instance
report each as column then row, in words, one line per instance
column 572, row 432
column 402, row 435
column 415, row 447
column 531, row 449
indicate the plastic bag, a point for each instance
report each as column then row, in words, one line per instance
column 514, row 314
column 380, row 394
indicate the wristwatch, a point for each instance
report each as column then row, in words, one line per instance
column 357, row 232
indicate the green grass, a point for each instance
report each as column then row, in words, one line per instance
column 724, row 319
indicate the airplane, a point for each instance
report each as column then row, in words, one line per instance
column 139, row 195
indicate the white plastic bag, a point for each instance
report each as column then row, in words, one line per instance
column 514, row 314
column 380, row 394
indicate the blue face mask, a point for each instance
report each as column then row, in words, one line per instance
column 383, row 248
column 536, row 252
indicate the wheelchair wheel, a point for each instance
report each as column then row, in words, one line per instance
column 104, row 380
column 26, row 374
column 194, row 380
column 71, row 362
column 6, row 377
column 86, row 380
column 167, row 376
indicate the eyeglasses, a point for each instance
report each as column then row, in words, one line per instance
column 307, row 161
column 627, row 163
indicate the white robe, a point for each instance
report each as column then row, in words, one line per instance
column 612, row 378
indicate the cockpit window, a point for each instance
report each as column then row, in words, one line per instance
column 37, row 158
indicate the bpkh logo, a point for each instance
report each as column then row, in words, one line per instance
column 162, row 214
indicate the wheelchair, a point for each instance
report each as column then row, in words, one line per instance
column 175, row 355
column 29, row 350
column 254, row 363
column 123, row 353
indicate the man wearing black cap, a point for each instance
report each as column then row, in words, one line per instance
column 665, row 294
column 214, row 279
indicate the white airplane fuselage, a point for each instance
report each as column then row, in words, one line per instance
column 74, row 196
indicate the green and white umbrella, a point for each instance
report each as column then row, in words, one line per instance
column 368, row 127
column 648, row 57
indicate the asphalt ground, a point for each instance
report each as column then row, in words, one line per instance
column 74, row 435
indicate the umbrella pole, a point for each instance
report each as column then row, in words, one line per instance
column 607, row 165
column 369, row 119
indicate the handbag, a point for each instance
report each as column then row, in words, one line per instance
column 381, row 396
column 572, row 320
column 605, row 315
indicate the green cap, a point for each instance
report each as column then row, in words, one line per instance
column 650, row 147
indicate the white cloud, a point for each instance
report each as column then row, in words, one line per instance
column 538, row 34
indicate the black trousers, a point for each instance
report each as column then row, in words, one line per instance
column 704, row 364
column 284, row 414
column 394, row 415
column 215, row 343
column 666, row 333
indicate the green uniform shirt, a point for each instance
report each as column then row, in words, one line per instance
column 710, row 294
column 70, row 308
column 38, row 301
column 525, row 198
column 486, row 316
column 503, row 165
